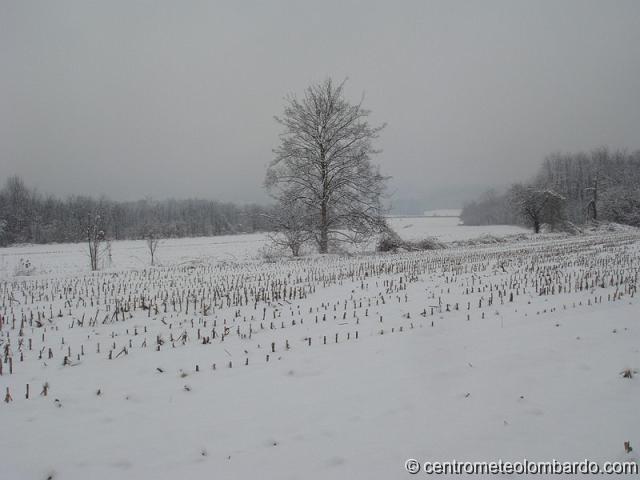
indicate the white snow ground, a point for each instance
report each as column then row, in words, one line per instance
column 64, row 258
column 446, row 229
column 57, row 259
column 537, row 377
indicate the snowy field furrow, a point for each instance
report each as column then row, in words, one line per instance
column 218, row 364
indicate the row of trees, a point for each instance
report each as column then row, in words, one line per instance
column 27, row 216
column 569, row 188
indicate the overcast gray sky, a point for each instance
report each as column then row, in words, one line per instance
column 176, row 98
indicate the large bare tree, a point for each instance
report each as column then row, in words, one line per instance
column 323, row 162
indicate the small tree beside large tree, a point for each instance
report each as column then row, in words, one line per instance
column 322, row 168
column 291, row 225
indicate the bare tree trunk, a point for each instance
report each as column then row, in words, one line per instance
column 324, row 217
column 324, row 229
column 536, row 226
column 595, row 200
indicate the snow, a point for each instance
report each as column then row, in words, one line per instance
column 446, row 229
column 69, row 258
column 443, row 212
column 55, row 259
column 536, row 378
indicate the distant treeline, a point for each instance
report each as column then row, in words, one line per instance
column 27, row 216
column 599, row 185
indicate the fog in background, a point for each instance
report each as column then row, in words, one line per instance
column 176, row 99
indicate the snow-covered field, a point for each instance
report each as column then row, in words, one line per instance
column 219, row 365
column 72, row 257
column 446, row 229
column 56, row 259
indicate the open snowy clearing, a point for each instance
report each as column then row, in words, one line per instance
column 64, row 258
column 72, row 257
column 447, row 229
column 319, row 368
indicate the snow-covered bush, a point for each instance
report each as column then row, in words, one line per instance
column 430, row 243
column 24, row 268
column 392, row 242
column 272, row 252
column 389, row 241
